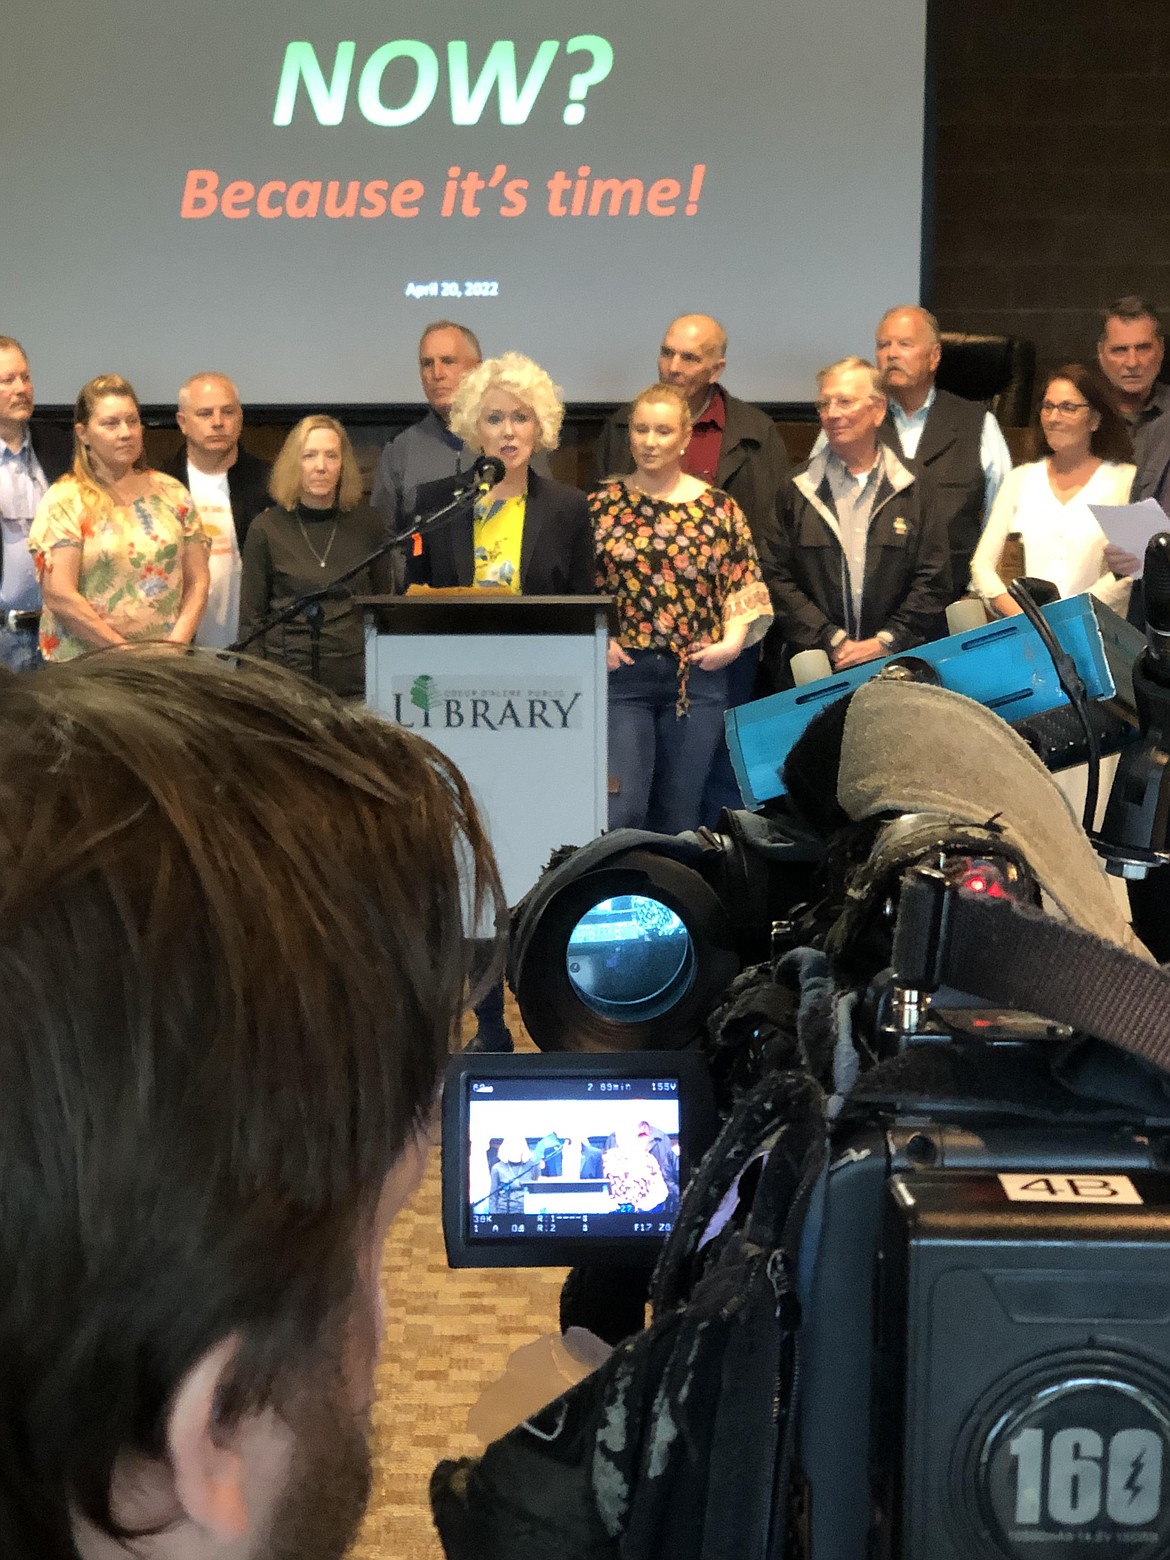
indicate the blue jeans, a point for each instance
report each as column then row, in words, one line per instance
column 722, row 788
column 657, row 759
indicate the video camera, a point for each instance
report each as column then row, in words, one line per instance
column 977, row 1236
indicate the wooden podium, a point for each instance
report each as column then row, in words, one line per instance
column 513, row 688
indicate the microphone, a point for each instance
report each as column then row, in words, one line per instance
column 487, row 471
column 483, row 476
column 1156, row 590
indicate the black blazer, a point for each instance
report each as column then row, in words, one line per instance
column 247, row 487
column 53, row 447
column 557, row 556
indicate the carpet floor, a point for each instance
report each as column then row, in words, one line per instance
column 448, row 1336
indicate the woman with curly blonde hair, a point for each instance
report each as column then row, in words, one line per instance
column 317, row 530
column 531, row 534
column 119, row 547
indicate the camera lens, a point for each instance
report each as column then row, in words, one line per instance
column 630, row 958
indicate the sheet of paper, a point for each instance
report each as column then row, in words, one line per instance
column 1131, row 525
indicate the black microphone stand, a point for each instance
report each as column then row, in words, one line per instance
column 310, row 605
column 537, row 1160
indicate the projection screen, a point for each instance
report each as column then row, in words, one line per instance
column 291, row 192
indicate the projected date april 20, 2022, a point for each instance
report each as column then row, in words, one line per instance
column 452, row 289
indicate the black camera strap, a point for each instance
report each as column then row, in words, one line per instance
column 1017, row 957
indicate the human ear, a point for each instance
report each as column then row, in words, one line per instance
column 207, row 1458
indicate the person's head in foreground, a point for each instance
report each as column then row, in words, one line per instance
column 232, row 958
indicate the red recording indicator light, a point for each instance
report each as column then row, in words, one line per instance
column 983, row 878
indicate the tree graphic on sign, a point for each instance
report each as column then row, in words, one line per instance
column 420, row 693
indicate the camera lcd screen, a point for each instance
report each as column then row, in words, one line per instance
column 547, row 1158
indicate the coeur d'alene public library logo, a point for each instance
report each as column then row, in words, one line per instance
column 427, row 703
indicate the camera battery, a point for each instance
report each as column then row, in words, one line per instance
column 1022, row 1380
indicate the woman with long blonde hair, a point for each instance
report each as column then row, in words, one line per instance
column 317, row 530
column 119, row 547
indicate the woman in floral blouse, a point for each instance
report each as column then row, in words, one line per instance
column 678, row 557
column 119, row 547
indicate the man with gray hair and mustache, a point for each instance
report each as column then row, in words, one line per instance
column 957, row 444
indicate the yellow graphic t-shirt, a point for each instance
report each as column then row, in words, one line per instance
column 497, row 544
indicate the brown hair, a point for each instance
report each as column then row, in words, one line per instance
column 285, row 481
column 1110, row 440
column 1129, row 308
column 234, row 948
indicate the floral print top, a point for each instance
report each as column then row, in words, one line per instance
column 682, row 572
column 131, row 569
column 498, row 532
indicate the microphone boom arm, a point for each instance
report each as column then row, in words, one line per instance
column 421, row 526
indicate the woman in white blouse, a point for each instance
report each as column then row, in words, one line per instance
column 1088, row 461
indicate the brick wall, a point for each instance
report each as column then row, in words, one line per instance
column 1052, row 165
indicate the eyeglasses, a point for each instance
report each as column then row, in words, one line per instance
column 1065, row 408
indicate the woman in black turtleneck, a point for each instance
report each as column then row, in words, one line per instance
column 317, row 529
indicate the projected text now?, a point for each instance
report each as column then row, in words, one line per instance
column 415, row 82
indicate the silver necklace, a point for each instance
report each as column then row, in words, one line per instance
column 328, row 545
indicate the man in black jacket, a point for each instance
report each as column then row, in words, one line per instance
column 229, row 486
column 860, row 565
column 33, row 455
